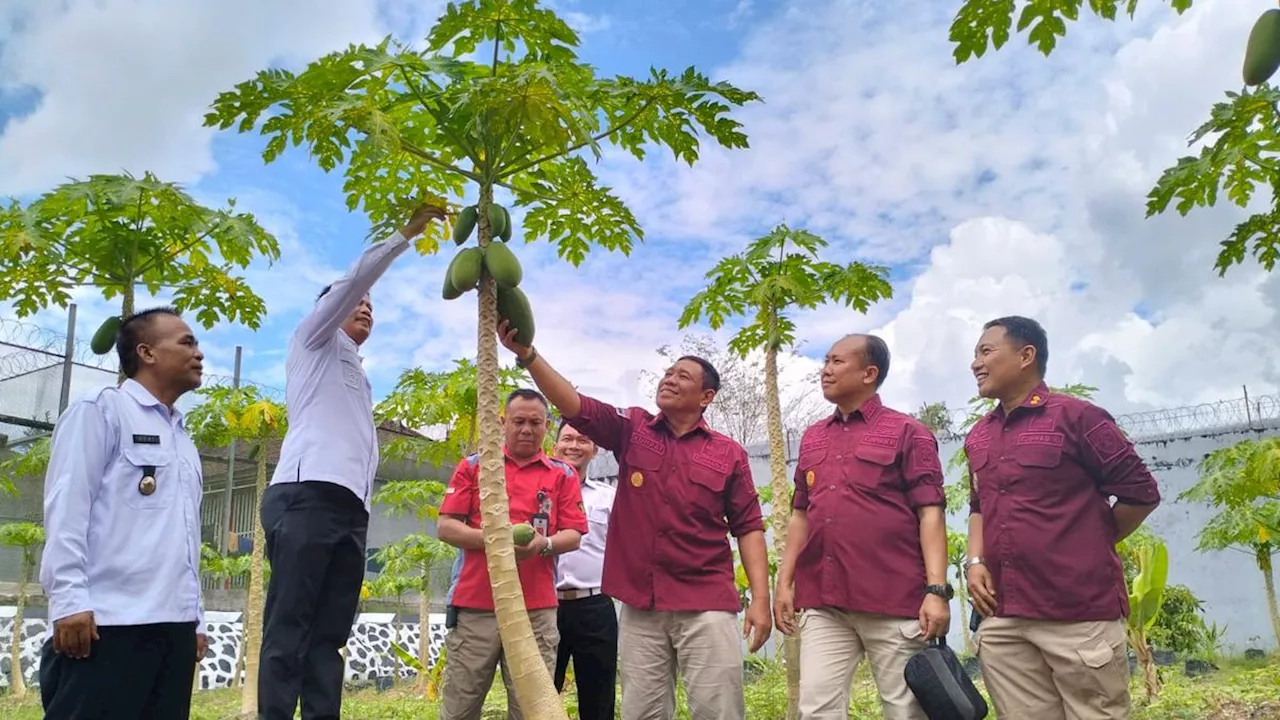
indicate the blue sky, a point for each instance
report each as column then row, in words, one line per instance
column 1011, row 184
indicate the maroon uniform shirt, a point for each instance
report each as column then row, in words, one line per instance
column 861, row 479
column 678, row 500
column 1042, row 477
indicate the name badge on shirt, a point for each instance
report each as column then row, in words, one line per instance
column 541, row 520
column 146, row 439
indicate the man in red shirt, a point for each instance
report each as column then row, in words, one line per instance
column 1042, row 565
column 867, row 541
column 682, row 488
column 542, row 492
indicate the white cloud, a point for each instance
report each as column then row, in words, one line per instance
column 125, row 84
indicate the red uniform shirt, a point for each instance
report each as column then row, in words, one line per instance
column 678, row 500
column 558, row 483
column 860, row 479
column 1041, row 478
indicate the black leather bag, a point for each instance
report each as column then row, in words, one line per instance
column 941, row 685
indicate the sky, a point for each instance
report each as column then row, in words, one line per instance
column 1013, row 184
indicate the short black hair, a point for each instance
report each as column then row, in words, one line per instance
column 1022, row 332
column 134, row 331
column 710, row 376
column 324, row 291
column 527, row 394
column 875, row 353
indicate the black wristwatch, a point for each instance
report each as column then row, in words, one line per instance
column 944, row 591
column 523, row 364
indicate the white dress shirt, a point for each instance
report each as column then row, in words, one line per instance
column 331, row 436
column 130, row 558
column 582, row 568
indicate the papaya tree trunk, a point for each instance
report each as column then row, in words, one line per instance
column 533, row 688
column 126, row 309
column 253, row 596
column 962, row 598
column 1269, row 582
column 780, row 514
column 424, row 633
column 17, row 681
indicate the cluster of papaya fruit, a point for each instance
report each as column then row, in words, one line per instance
column 496, row 258
column 105, row 337
column 1262, row 56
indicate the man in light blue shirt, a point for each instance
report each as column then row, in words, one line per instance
column 121, row 563
column 315, row 513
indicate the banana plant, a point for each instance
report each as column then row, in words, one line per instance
column 1146, row 593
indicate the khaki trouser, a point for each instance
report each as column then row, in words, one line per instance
column 704, row 647
column 474, row 651
column 832, row 644
column 1050, row 670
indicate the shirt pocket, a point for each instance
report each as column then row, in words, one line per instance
column 153, row 462
column 875, row 469
column 352, row 372
column 1038, row 457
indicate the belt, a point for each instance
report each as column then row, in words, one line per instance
column 577, row 594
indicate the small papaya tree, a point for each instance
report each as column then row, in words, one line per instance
column 117, row 233
column 1146, row 594
column 1242, row 482
column 957, row 553
column 246, row 415
column 517, row 115
column 27, row 537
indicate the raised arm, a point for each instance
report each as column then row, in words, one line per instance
column 318, row 326
column 78, row 458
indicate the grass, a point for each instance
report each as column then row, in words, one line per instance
column 1241, row 690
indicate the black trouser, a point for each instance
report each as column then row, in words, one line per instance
column 316, row 535
column 133, row 672
column 589, row 636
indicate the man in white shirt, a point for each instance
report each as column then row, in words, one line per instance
column 587, row 619
column 315, row 513
column 121, row 563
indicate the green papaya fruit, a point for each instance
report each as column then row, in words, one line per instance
column 497, row 220
column 503, row 265
column 513, row 305
column 505, row 235
column 464, row 271
column 1262, row 56
column 449, row 292
column 522, row 533
column 105, row 338
column 465, row 224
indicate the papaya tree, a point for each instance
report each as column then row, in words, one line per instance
column 1242, row 482
column 416, row 556
column 246, row 415
column 776, row 274
column 1239, row 154
column 429, row 400
column 118, row 233
column 26, row 537
column 957, row 553
column 496, row 100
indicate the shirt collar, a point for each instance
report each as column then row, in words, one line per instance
column 541, row 457
column 1036, row 399
column 868, row 410
column 661, row 419
column 143, row 397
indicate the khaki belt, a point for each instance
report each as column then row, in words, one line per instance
column 577, row 594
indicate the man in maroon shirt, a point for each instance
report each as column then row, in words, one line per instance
column 544, row 493
column 1042, row 565
column 681, row 488
column 867, row 541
